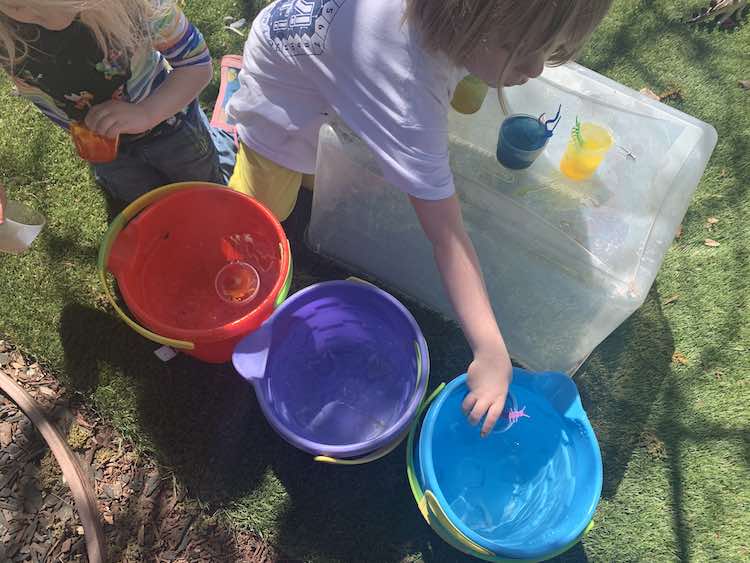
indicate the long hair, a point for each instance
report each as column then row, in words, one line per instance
column 456, row 27
column 120, row 26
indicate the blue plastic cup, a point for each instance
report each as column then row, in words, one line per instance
column 521, row 140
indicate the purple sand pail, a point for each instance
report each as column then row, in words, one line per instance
column 339, row 370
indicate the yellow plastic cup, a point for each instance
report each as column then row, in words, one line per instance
column 586, row 150
column 469, row 95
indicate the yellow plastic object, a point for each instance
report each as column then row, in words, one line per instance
column 389, row 448
column 428, row 505
column 109, row 238
column 435, row 509
column 588, row 145
column 469, row 95
column 359, row 280
column 368, row 458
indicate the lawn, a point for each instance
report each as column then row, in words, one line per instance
column 667, row 393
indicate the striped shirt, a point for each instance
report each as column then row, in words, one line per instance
column 65, row 93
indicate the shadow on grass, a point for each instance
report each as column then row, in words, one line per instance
column 620, row 383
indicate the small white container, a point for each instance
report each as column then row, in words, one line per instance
column 21, row 226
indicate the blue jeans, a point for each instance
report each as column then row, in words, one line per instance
column 183, row 149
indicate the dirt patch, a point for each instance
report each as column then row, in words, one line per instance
column 146, row 513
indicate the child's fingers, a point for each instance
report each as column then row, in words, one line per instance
column 468, row 404
column 114, row 129
column 479, row 410
column 106, row 126
column 95, row 115
column 103, row 119
column 493, row 415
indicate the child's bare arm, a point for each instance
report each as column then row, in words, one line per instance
column 180, row 88
column 490, row 373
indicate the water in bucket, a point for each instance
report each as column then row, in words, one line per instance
column 532, row 482
column 208, row 290
column 200, row 265
column 339, row 369
column 361, row 371
column 526, row 491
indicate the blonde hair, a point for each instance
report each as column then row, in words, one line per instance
column 121, row 26
column 456, row 27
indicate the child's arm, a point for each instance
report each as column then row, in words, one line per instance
column 182, row 44
column 180, row 88
column 490, row 373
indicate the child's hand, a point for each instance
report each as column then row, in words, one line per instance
column 113, row 118
column 490, row 375
column 3, row 202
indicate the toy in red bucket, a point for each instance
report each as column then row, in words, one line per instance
column 169, row 252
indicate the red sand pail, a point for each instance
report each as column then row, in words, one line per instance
column 166, row 250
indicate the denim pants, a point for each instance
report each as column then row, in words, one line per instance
column 184, row 148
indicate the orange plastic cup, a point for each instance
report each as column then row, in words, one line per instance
column 92, row 146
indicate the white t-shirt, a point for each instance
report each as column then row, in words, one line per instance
column 307, row 58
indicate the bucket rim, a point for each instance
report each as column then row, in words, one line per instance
column 424, row 457
column 349, row 451
column 239, row 325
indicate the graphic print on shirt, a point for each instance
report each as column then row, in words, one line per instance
column 300, row 27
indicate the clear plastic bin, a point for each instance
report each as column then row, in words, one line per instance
column 565, row 262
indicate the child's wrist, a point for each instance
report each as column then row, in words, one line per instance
column 491, row 344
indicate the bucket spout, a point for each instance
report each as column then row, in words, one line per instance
column 251, row 354
column 559, row 389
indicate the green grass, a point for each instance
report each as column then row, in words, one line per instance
column 675, row 438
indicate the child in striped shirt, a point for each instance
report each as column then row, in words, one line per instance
column 132, row 68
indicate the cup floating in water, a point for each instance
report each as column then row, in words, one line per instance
column 21, row 226
column 237, row 283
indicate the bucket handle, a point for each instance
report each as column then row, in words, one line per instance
column 284, row 292
column 109, row 239
column 426, row 501
column 389, row 448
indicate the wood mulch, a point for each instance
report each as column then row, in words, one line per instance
column 146, row 514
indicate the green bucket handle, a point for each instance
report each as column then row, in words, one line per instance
column 435, row 515
column 119, row 224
